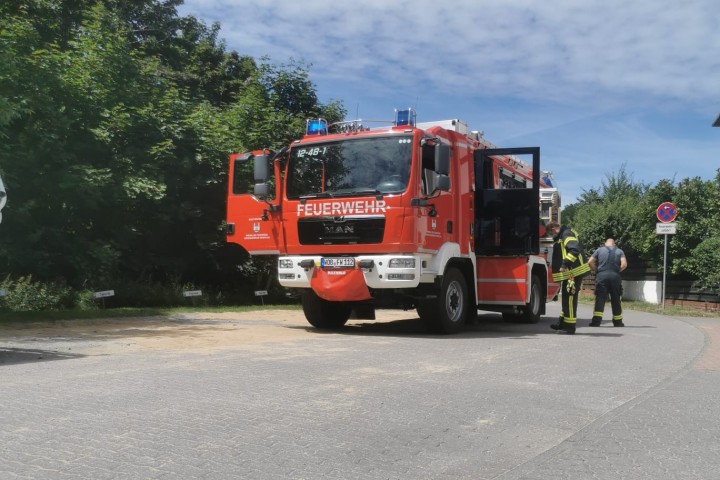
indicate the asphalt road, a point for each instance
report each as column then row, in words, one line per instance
column 263, row 396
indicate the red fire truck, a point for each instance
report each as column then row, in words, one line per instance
column 420, row 215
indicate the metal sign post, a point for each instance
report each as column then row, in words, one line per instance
column 103, row 295
column 666, row 213
column 662, row 302
column 261, row 294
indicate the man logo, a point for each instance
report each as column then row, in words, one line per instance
column 256, row 227
column 334, row 229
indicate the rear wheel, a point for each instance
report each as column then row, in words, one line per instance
column 531, row 311
column 321, row 313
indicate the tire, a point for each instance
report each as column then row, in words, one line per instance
column 323, row 314
column 447, row 313
column 531, row 311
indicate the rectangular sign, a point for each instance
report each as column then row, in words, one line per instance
column 192, row 293
column 261, row 293
column 3, row 292
column 666, row 228
column 338, row 262
column 104, row 293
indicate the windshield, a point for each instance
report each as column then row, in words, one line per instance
column 350, row 167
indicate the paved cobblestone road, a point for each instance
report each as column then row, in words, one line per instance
column 261, row 396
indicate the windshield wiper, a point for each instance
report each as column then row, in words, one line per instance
column 344, row 193
column 324, row 194
column 361, row 191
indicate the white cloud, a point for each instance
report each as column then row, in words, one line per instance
column 558, row 50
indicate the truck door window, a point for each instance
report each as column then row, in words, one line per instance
column 243, row 181
column 428, row 168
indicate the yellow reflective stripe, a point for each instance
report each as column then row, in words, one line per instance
column 571, row 257
column 566, row 274
column 584, row 268
column 617, row 317
column 568, row 239
column 571, row 311
column 560, row 276
column 597, row 314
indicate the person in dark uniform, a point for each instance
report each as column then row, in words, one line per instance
column 608, row 261
column 569, row 268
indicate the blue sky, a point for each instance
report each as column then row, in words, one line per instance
column 597, row 84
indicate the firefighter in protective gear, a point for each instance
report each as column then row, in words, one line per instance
column 569, row 268
column 608, row 261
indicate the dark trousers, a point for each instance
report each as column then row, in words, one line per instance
column 608, row 284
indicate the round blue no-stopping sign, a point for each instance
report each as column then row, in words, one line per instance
column 666, row 212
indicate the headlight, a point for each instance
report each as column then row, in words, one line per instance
column 285, row 263
column 402, row 263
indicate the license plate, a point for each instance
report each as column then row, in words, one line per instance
column 337, row 262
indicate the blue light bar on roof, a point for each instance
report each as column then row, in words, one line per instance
column 405, row 117
column 316, row 126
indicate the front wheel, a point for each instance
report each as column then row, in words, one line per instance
column 449, row 311
column 323, row 314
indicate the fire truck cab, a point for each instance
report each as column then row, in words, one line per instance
column 428, row 216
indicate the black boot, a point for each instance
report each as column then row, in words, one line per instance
column 618, row 323
column 595, row 322
column 559, row 325
column 567, row 329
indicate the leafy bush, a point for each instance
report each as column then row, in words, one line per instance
column 27, row 294
column 703, row 264
column 24, row 294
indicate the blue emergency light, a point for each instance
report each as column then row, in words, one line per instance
column 405, row 117
column 316, row 126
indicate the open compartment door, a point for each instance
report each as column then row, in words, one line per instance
column 507, row 201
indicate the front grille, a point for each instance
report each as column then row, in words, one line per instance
column 340, row 230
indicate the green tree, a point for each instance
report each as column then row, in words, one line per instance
column 646, row 242
column 116, row 122
column 698, row 220
column 612, row 211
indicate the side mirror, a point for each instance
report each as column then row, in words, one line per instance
column 261, row 190
column 435, row 182
column 261, row 174
column 442, row 159
column 260, row 168
column 442, row 183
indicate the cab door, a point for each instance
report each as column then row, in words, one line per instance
column 253, row 214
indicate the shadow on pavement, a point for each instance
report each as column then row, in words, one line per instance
column 14, row 356
column 486, row 325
